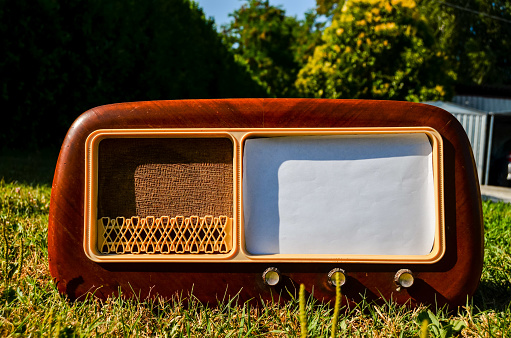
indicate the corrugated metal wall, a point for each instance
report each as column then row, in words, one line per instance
column 476, row 114
column 486, row 104
column 475, row 127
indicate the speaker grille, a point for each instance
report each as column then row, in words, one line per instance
column 165, row 235
column 165, row 177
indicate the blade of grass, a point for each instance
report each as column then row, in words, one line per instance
column 303, row 315
column 337, row 306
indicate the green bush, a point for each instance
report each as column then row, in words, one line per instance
column 61, row 58
column 378, row 49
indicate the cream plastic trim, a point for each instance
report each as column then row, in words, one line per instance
column 237, row 252
column 164, row 235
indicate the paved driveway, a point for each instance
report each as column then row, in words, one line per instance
column 489, row 192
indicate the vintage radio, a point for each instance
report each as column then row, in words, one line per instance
column 256, row 196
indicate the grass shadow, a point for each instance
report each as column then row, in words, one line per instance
column 35, row 168
column 493, row 295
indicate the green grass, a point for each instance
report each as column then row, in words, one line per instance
column 31, row 306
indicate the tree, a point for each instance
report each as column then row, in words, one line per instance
column 307, row 36
column 474, row 33
column 60, row 58
column 377, row 49
column 262, row 39
column 328, row 7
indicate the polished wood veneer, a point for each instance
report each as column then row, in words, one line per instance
column 448, row 281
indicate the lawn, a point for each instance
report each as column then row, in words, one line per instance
column 31, row 306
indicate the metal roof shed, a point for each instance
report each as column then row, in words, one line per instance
column 475, row 124
column 492, row 105
column 485, row 134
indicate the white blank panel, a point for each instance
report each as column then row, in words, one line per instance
column 356, row 194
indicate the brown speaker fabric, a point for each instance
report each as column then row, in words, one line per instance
column 165, row 177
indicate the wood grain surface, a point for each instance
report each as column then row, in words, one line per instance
column 448, row 281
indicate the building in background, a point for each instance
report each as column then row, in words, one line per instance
column 485, row 113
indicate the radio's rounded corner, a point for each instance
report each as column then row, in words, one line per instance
column 94, row 138
column 437, row 254
column 92, row 253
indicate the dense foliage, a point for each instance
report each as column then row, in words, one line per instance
column 388, row 49
column 60, row 58
column 262, row 39
column 475, row 33
column 377, row 49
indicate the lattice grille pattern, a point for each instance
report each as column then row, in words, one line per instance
column 165, row 235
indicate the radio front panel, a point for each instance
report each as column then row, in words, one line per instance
column 254, row 197
column 264, row 195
